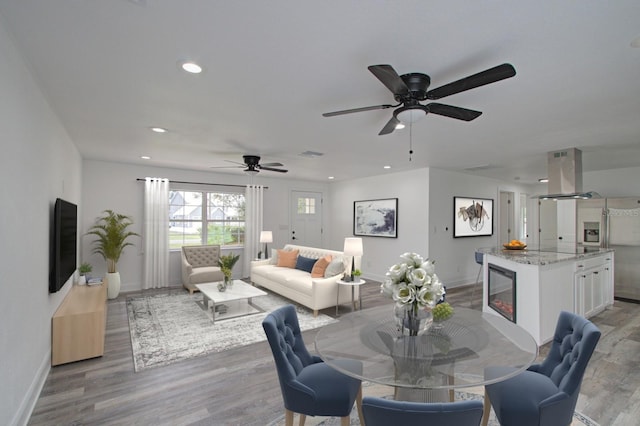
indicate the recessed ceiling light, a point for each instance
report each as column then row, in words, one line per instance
column 331, row 177
column 191, row 67
column 387, row 167
column 158, row 130
column 399, row 126
column 145, row 157
column 635, row 42
column 543, row 180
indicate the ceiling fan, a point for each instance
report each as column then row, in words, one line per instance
column 252, row 164
column 409, row 89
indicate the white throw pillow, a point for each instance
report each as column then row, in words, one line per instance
column 336, row 267
column 274, row 257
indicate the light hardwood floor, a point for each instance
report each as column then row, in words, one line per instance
column 240, row 386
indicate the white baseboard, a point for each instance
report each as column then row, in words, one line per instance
column 23, row 414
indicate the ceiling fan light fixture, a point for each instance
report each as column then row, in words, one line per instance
column 411, row 115
column 251, row 172
column 400, row 126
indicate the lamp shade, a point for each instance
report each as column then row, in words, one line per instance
column 353, row 247
column 266, row 237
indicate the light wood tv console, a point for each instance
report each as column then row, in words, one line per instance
column 78, row 326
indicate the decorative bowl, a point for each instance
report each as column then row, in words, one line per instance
column 517, row 247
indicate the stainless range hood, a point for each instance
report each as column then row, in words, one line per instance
column 564, row 170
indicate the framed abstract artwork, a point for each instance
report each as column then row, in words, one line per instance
column 376, row 218
column 472, row 217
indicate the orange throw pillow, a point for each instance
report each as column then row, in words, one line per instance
column 320, row 266
column 287, row 259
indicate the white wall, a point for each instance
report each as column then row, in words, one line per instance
column 38, row 164
column 613, row 183
column 108, row 185
column 455, row 261
column 412, row 190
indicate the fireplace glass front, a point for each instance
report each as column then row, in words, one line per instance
column 502, row 291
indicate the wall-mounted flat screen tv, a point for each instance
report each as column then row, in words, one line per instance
column 64, row 244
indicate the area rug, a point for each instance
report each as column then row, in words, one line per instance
column 170, row 327
column 369, row 389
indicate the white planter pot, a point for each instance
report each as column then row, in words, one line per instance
column 113, row 284
column 82, row 280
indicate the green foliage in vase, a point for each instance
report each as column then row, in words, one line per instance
column 227, row 262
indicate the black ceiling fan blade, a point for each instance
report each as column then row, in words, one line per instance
column 390, row 78
column 262, row 167
column 271, row 164
column 390, row 126
column 476, row 80
column 362, row 109
column 453, row 111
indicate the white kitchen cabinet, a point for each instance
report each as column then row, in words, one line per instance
column 591, row 286
column 607, row 279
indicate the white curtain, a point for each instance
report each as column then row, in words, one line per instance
column 252, row 226
column 156, row 233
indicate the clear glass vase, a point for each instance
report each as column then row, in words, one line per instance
column 222, row 285
column 411, row 320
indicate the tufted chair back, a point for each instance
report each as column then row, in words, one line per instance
column 199, row 256
column 573, row 344
column 289, row 352
column 546, row 393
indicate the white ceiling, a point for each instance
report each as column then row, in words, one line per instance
column 110, row 71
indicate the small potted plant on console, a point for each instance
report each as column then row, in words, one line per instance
column 83, row 270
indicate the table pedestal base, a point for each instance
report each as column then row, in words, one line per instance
column 423, row 395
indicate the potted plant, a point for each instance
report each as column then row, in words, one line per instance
column 112, row 232
column 226, row 263
column 356, row 275
column 83, row 270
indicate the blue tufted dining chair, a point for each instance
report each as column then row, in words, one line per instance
column 309, row 386
column 386, row 412
column 546, row 393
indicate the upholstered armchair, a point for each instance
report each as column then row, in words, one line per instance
column 309, row 386
column 546, row 393
column 200, row 265
column 385, row 412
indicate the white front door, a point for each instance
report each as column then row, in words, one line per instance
column 306, row 219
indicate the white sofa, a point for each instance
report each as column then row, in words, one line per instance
column 297, row 285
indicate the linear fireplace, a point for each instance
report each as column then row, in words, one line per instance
column 502, row 291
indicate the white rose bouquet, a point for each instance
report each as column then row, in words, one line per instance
column 413, row 283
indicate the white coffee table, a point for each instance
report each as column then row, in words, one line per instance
column 239, row 291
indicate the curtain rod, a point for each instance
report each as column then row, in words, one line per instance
column 204, row 183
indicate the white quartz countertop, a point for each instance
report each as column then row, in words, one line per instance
column 544, row 256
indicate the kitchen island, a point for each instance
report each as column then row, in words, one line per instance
column 531, row 286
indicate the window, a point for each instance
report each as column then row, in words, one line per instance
column 200, row 217
column 306, row 206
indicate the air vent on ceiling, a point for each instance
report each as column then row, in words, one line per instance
column 476, row 168
column 311, row 154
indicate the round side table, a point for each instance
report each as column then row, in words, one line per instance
column 353, row 285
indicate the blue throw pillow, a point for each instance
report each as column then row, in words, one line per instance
column 305, row 263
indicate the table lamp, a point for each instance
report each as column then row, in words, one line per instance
column 353, row 248
column 266, row 237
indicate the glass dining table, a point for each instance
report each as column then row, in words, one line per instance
column 428, row 367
